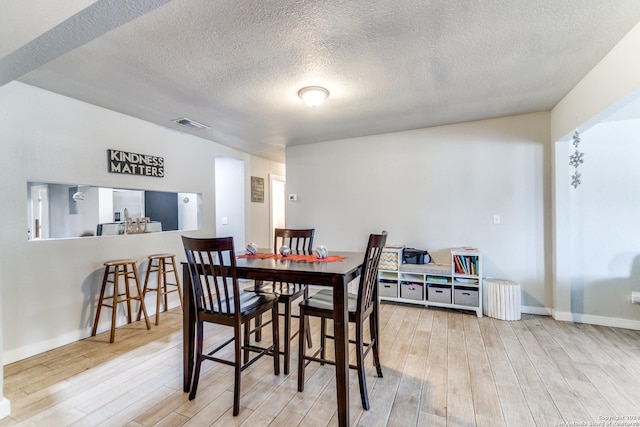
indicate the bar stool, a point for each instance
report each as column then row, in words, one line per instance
column 161, row 264
column 127, row 269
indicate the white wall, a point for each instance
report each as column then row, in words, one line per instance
column 229, row 201
column 435, row 189
column 613, row 82
column 49, row 288
column 602, row 249
column 263, row 237
column 610, row 203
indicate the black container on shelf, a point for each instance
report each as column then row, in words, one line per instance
column 415, row 256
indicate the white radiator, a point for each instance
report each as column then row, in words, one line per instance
column 501, row 299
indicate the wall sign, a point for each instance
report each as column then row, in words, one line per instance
column 135, row 164
column 257, row 189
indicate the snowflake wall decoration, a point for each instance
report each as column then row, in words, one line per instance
column 575, row 179
column 576, row 139
column 575, row 160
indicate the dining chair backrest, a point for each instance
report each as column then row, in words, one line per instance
column 300, row 241
column 369, row 275
column 214, row 290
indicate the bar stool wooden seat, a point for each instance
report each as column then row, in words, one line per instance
column 113, row 271
column 162, row 264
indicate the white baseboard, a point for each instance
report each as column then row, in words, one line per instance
column 29, row 350
column 591, row 319
column 35, row 348
column 541, row 311
column 5, row 408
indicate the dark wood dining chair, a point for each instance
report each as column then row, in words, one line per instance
column 361, row 306
column 218, row 299
column 300, row 241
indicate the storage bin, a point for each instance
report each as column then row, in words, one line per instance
column 465, row 296
column 438, row 293
column 387, row 288
column 390, row 258
column 410, row 290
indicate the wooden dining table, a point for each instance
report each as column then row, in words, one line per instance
column 336, row 275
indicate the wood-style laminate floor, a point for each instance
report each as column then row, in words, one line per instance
column 441, row 368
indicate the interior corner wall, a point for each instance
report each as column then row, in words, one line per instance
column 611, row 83
column 614, row 77
column 434, row 189
column 5, row 404
column 47, row 137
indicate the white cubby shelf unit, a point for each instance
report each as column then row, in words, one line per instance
column 456, row 285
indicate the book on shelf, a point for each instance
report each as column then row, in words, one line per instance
column 458, row 262
column 466, row 264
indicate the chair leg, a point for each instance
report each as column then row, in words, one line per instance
column 143, row 307
column 245, row 352
column 301, row 337
column 308, row 332
column 145, row 286
column 258, row 337
column 323, row 339
column 165, row 288
column 127, row 290
column 114, row 304
column 160, row 285
column 373, row 329
column 360, row 365
column 287, row 336
column 198, row 350
column 100, row 301
column 275, row 328
column 237, row 369
column 178, row 285
column 308, row 328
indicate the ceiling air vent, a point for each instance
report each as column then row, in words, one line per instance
column 192, row 124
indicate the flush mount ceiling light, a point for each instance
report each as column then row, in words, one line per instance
column 190, row 123
column 313, row 96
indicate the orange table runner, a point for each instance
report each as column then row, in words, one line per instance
column 293, row 257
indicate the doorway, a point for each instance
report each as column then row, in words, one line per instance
column 278, row 202
column 38, row 215
column 229, row 187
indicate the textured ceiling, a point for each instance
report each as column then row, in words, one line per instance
column 236, row 65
